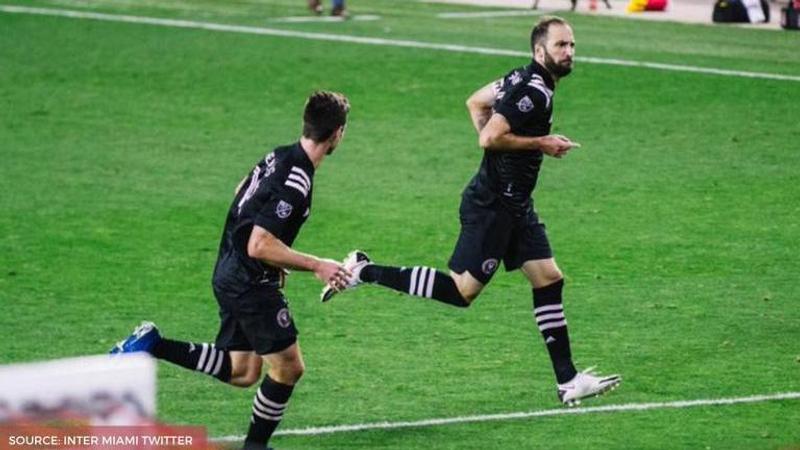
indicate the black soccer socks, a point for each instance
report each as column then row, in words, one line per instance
column 198, row 357
column 418, row 281
column 549, row 314
column 269, row 404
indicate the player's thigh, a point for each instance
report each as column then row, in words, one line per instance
column 286, row 366
column 530, row 251
column 482, row 242
column 264, row 317
column 542, row 272
column 230, row 336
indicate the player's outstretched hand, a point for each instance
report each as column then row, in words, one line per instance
column 332, row 273
column 557, row 145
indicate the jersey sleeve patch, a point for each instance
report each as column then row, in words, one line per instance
column 525, row 104
column 278, row 214
column 283, row 209
column 298, row 179
column 521, row 104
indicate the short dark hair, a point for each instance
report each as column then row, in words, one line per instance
column 325, row 112
column 540, row 30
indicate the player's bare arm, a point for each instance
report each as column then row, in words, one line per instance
column 480, row 104
column 264, row 246
column 497, row 135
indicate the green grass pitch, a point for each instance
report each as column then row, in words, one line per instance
column 677, row 222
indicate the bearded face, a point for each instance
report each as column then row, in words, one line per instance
column 560, row 68
column 558, row 52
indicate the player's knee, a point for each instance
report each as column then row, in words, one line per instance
column 469, row 297
column 466, row 290
column 244, row 375
column 554, row 275
column 297, row 370
column 547, row 277
column 468, row 294
column 288, row 373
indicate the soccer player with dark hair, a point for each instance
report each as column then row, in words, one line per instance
column 498, row 221
column 256, row 328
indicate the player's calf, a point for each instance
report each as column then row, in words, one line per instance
column 548, row 311
column 197, row 357
column 453, row 289
column 272, row 397
column 468, row 287
column 269, row 405
column 419, row 281
column 245, row 368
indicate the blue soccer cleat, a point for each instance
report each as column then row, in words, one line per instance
column 143, row 339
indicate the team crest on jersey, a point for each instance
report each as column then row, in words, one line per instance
column 489, row 266
column 525, row 104
column 283, row 210
column 283, row 318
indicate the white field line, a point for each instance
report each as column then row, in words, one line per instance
column 305, row 19
column 374, row 41
column 485, row 14
column 681, row 404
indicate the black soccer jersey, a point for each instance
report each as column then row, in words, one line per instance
column 525, row 99
column 277, row 197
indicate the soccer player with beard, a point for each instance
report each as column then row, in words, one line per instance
column 513, row 116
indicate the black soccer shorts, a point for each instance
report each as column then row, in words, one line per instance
column 490, row 234
column 259, row 321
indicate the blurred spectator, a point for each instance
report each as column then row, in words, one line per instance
column 337, row 9
column 574, row 3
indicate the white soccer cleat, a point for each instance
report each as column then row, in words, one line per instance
column 586, row 384
column 355, row 261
